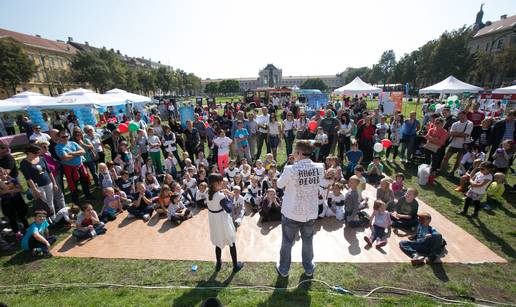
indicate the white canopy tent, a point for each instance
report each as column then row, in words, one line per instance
column 79, row 98
column 506, row 90
column 22, row 101
column 357, row 86
column 451, row 85
column 119, row 94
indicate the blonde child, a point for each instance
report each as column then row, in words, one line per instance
column 385, row 194
column 464, row 179
column 238, row 207
column 269, row 161
column 112, row 205
column 142, row 204
column 352, row 203
column 359, row 173
column 88, row 224
column 493, row 196
column 190, row 186
column 105, row 179
column 380, row 221
column 246, row 173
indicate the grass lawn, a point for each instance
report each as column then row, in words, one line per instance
column 456, row 281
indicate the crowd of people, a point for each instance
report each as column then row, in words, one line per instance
column 216, row 162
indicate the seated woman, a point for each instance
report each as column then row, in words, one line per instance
column 385, row 194
column 270, row 207
column 405, row 213
column 37, row 239
column 88, row 224
column 142, row 204
column 426, row 242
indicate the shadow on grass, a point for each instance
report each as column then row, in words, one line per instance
column 439, row 272
column 491, row 237
column 20, row 258
column 198, row 294
column 281, row 297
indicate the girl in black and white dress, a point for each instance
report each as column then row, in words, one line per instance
column 222, row 229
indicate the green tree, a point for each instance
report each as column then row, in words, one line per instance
column 15, row 66
column 164, row 80
column 350, row 73
column 101, row 68
column 211, row 88
column 386, row 65
column 131, row 81
column 147, row 81
column 229, row 86
column 314, row 83
column 57, row 79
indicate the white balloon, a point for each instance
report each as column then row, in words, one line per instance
column 378, row 147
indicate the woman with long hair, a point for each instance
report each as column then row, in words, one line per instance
column 274, row 135
column 344, row 134
column 222, row 229
column 365, row 137
column 288, row 130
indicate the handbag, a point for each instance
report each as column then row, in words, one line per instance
column 432, row 147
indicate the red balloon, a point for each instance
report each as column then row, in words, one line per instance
column 200, row 117
column 386, row 143
column 123, row 128
column 206, row 124
column 321, row 112
column 312, row 125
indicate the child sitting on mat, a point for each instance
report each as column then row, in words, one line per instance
column 177, row 212
column 112, row 205
column 37, row 239
column 380, row 221
column 88, row 224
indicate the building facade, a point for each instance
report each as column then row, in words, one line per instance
column 52, row 60
column 271, row 76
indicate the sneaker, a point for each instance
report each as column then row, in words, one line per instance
column 310, row 274
column 368, row 240
column 47, row 254
column 146, row 217
column 381, row 244
column 417, row 260
column 435, row 260
column 279, row 273
column 129, row 216
column 486, row 207
column 37, row 252
column 238, row 267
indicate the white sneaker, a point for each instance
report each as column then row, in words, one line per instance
column 146, row 217
column 130, row 216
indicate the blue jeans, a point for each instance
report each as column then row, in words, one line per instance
column 289, row 229
column 430, row 247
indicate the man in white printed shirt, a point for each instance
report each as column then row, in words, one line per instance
column 300, row 206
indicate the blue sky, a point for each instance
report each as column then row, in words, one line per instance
column 236, row 38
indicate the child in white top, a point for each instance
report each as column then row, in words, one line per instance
column 170, row 165
column 477, row 188
column 238, row 207
column 188, row 165
column 237, row 182
column 246, row 173
column 189, row 185
column 336, row 202
column 201, row 160
column 177, row 212
column 201, row 197
column 254, row 194
column 259, row 170
column 231, row 171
